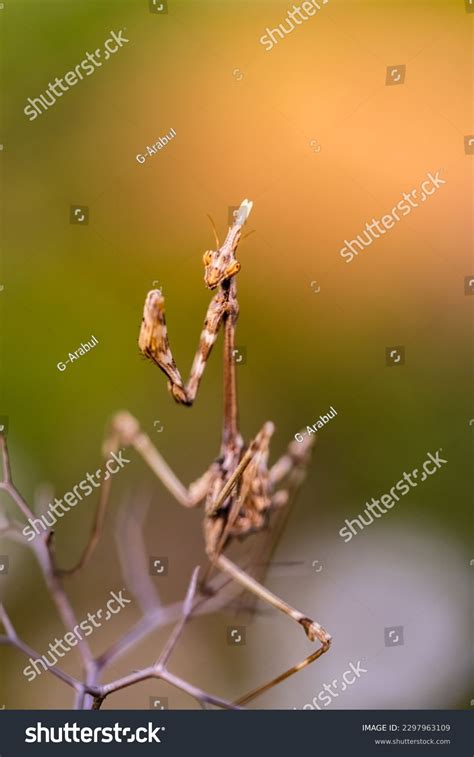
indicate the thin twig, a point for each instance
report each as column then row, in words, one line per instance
column 7, row 624
column 131, row 551
column 179, row 627
column 163, row 617
column 199, row 694
column 42, row 547
column 12, row 639
column 159, row 669
column 89, row 693
column 7, row 474
column 6, row 483
column 42, row 550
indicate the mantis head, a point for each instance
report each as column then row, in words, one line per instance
column 222, row 264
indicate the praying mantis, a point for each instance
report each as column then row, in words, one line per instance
column 239, row 491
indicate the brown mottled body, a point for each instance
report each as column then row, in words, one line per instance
column 239, row 490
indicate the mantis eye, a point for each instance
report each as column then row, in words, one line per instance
column 207, row 257
column 235, row 268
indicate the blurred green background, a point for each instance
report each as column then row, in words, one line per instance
column 248, row 124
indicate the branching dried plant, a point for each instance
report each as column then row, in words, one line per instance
column 90, row 693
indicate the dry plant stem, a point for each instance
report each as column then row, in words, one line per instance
column 90, row 693
column 198, row 694
column 12, row 639
column 132, row 553
column 7, row 485
column 159, row 669
column 79, row 702
column 44, row 556
column 97, row 693
column 179, row 628
column 160, row 617
column 101, row 692
column 42, row 547
column 164, row 675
